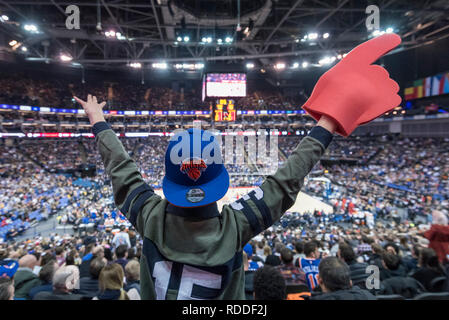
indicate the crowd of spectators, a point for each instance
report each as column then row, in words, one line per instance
column 318, row 255
column 58, row 93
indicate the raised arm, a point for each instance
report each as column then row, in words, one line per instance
column 131, row 193
column 263, row 206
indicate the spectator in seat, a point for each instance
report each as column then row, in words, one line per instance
column 334, row 279
column 269, row 284
column 249, row 278
column 25, row 279
column 299, row 251
column 89, row 286
column 6, row 288
column 392, row 265
column 358, row 270
column 253, row 265
column 292, row 275
column 309, row 264
column 397, row 281
column 132, row 275
column 121, row 253
column 438, row 235
column 111, row 283
column 46, row 276
column 94, row 252
column 65, row 281
column 8, row 269
column 121, row 238
column 429, row 268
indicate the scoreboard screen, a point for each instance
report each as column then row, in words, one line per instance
column 226, row 85
column 224, row 110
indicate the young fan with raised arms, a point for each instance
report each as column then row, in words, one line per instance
column 192, row 250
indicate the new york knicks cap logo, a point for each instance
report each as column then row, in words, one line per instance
column 193, row 167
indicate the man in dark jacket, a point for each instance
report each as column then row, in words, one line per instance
column 89, row 285
column 46, row 276
column 25, row 279
column 397, row 281
column 358, row 270
column 92, row 252
column 121, row 252
column 335, row 282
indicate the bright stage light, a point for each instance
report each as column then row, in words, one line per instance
column 65, row 58
column 249, row 65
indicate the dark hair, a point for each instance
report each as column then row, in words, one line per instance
column 310, row 247
column 47, row 271
column 59, row 250
column 393, row 245
column 299, row 246
column 5, row 283
column 269, row 284
column 46, row 258
column 429, row 259
column 272, row 260
column 286, row 255
column 108, row 254
column 131, row 253
column 121, row 251
column 334, row 274
column 346, row 252
column 95, row 267
column 391, row 261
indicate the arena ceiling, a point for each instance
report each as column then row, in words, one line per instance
column 262, row 32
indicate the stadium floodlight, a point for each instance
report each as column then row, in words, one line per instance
column 209, row 39
column 65, row 57
column 228, row 39
column 377, row 33
column 110, row 34
column 279, row 66
column 326, row 35
column 219, row 41
column 295, row 65
column 339, row 57
column 12, row 43
column 389, row 30
column 159, row 65
column 30, row 28
column 24, row 49
column 4, row 17
column 312, row 36
column 186, row 39
column 178, row 66
column 305, row 64
column 135, row 65
column 179, row 39
column 199, row 66
column 325, row 60
column 249, row 65
column 204, row 39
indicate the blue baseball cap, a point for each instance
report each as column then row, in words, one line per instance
column 8, row 268
column 194, row 171
column 248, row 250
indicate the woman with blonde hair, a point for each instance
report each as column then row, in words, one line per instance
column 111, row 283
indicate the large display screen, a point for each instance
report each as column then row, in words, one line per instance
column 226, row 85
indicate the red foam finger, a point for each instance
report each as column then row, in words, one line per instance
column 371, row 50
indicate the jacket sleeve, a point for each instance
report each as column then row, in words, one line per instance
column 260, row 208
column 133, row 197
